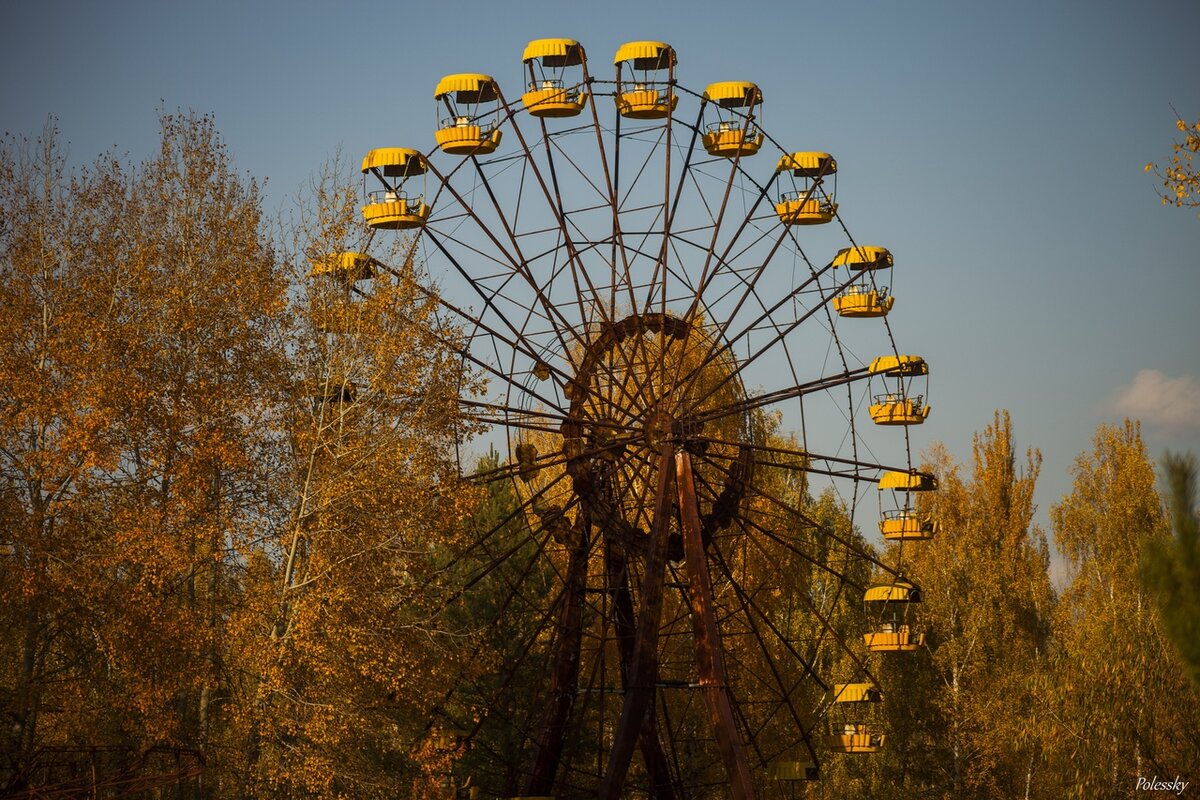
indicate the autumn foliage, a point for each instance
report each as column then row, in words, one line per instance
column 1181, row 176
column 232, row 524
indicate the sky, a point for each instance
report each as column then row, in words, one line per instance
column 996, row 148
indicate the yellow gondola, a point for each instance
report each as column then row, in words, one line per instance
column 863, row 299
column 550, row 93
column 898, row 366
column 392, row 207
column 648, row 95
column 908, row 481
column 808, row 203
column 893, row 638
column 900, row 405
column 904, row 524
column 334, row 311
column 472, row 127
column 863, row 257
column 733, row 133
column 897, row 409
column 860, row 302
column 850, row 733
column 347, row 267
column 893, row 633
column 898, row 591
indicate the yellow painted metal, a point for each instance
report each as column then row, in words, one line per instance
column 907, row 524
column 898, row 366
column 807, row 164
column 555, row 101
column 467, row 140
column 395, row 162
column 398, row 214
column 554, row 52
column 646, row 55
column 800, row 211
column 646, row 103
column 896, row 410
column 733, row 94
column 792, row 771
column 730, row 141
column 855, row 738
column 345, row 266
column 899, row 591
column 854, row 302
column 899, row 639
column 468, row 87
column 908, row 482
column 856, row 693
column 863, row 256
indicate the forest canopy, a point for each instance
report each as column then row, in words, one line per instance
column 229, row 542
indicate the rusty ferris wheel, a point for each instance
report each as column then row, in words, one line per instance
column 651, row 310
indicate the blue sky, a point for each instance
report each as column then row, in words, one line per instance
column 996, row 148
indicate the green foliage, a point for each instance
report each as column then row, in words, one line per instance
column 1171, row 567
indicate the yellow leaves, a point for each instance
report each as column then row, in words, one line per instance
column 1181, row 179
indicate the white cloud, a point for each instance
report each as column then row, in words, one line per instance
column 1172, row 404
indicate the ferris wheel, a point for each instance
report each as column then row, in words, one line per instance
column 688, row 360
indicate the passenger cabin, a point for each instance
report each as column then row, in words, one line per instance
column 527, row 466
column 908, row 482
column 345, row 268
column 332, row 306
column 399, row 201
column 898, row 366
column 895, row 408
column 808, row 202
column 556, row 78
column 850, row 730
column 472, row 102
column 888, row 605
column 900, row 404
column 905, row 524
column 734, row 132
column 863, row 298
column 862, row 302
column 645, row 72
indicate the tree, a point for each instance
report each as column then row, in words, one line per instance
column 1171, row 566
column 340, row 644
column 136, row 336
column 987, row 605
column 1120, row 706
column 1181, row 177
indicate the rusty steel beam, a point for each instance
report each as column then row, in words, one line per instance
column 617, row 569
column 710, row 664
column 643, row 672
column 564, row 680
